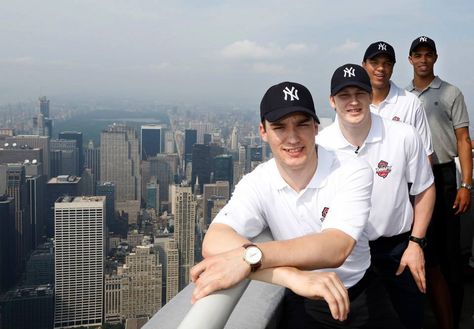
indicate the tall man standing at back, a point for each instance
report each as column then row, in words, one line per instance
column 449, row 123
column 396, row 229
column 390, row 101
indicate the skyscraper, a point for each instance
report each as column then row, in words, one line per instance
column 190, row 138
column 172, row 269
column 34, row 141
column 42, row 124
column 64, row 157
column 92, row 161
column 75, row 136
column 140, row 284
column 212, row 192
column 35, row 199
column 120, row 161
column 7, row 240
column 202, row 165
column 152, row 138
column 184, row 231
column 224, row 169
column 79, row 261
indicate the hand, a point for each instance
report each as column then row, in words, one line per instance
column 462, row 201
column 219, row 272
column 322, row 285
column 414, row 258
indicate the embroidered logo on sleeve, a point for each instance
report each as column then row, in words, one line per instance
column 383, row 169
column 324, row 213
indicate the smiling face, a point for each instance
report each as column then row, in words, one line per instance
column 423, row 59
column 380, row 69
column 291, row 140
column 352, row 106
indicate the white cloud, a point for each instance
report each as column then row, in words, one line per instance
column 349, row 45
column 269, row 68
column 250, row 50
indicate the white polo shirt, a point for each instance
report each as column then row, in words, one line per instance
column 395, row 152
column 336, row 197
column 402, row 105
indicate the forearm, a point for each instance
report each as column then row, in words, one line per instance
column 328, row 249
column 221, row 238
column 423, row 210
column 465, row 158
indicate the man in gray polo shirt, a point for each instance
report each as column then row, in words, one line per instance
column 449, row 123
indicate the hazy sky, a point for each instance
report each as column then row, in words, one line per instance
column 209, row 51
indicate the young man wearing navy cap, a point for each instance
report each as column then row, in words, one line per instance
column 316, row 210
column 396, row 154
column 449, row 122
column 390, row 101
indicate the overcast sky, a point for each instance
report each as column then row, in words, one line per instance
column 216, row 52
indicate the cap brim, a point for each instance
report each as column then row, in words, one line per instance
column 381, row 52
column 426, row 44
column 351, row 84
column 278, row 114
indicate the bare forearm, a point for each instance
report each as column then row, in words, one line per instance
column 424, row 204
column 465, row 158
column 328, row 249
column 221, row 238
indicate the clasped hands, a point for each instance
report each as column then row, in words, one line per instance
column 227, row 269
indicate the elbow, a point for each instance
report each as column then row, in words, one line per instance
column 344, row 252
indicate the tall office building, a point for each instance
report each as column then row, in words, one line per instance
column 79, row 261
column 12, row 153
column 172, row 269
column 7, row 240
column 120, row 161
column 234, row 139
column 40, row 266
column 190, row 138
column 211, row 192
column 224, row 169
column 152, row 140
column 34, row 141
column 184, row 231
column 169, row 144
column 112, row 304
column 202, row 165
column 92, row 161
column 153, row 195
column 35, row 199
column 64, row 157
column 140, row 284
column 75, row 136
column 17, row 189
column 201, row 129
column 107, row 189
column 43, row 124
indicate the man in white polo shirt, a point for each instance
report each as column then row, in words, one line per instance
column 396, row 154
column 390, row 101
column 316, row 210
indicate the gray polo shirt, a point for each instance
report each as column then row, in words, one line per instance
column 446, row 111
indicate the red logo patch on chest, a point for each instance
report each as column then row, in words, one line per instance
column 324, row 213
column 383, row 169
column 395, row 118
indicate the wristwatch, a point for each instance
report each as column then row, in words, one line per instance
column 421, row 241
column 253, row 256
column 466, row 186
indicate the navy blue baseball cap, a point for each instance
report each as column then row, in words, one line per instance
column 350, row 75
column 380, row 48
column 286, row 98
column 422, row 41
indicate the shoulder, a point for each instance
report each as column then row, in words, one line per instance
column 449, row 88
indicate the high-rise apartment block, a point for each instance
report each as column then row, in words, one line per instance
column 79, row 261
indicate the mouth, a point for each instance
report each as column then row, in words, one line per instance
column 354, row 111
column 293, row 150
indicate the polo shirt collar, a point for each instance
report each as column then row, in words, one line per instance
column 374, row 136
column 325, row 163
column 435, row 84
column 392, row 94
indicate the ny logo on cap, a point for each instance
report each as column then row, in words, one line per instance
column 349, row 72
column 382, row 46
column 423, row 39
column 293, row 93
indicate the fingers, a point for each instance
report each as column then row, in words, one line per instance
column 336, row 296
column 419, row 277
column 401, row 268
column 196, row 270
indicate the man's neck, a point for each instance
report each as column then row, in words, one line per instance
column 421, row 83
column 356, row 134
column 299, row 178
column 380, row 94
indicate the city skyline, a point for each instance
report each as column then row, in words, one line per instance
column 217, row 52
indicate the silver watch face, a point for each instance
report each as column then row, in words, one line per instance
column 253, row 255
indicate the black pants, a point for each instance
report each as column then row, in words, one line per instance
column 406, row 298
column 369, row 308
column 444, row 235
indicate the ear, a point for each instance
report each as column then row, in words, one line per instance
column 364, row 65
column 409, row 59
column 263, row 132
column 332, row 102
column 436, row 58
